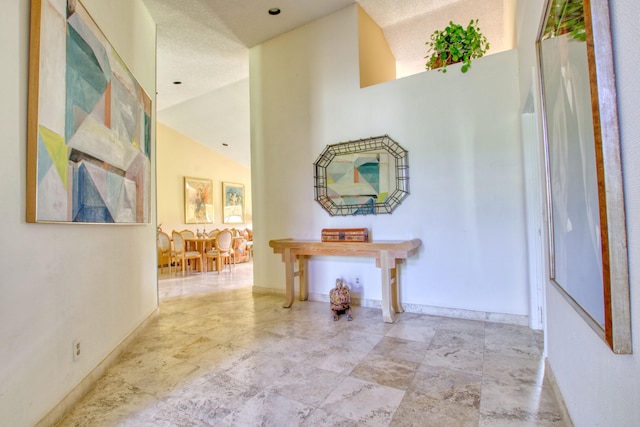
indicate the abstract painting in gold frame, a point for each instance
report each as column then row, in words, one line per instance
column 89, row 124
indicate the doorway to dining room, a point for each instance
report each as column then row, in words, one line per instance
column 180, row 160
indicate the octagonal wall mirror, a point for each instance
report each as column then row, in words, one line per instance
column 363, row 177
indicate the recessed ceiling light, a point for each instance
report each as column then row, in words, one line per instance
column 177, row 82
column 274, row 11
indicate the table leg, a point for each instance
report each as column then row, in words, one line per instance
column 289, row 263
column 388, row 312
column 396, row 305
column 303, row 277
column 203, row 258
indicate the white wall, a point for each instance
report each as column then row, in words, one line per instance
column 462, row 134
column 63, row 282
column 599, row 387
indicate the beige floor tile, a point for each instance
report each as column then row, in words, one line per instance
column 269, row 409
column 421, row 409
column 388, row 371
column 210, row 399
column 363, row 401
column 219, row 355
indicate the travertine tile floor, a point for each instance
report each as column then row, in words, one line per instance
column 218, row 355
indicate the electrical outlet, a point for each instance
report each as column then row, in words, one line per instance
column 77, row 349
column 358, row 281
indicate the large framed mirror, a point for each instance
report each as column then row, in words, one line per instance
column 362, row 177
column 587, row 231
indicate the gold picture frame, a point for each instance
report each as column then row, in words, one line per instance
column 198, row 201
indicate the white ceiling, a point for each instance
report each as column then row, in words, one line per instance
column 205, row 45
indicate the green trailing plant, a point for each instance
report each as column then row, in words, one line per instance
column 566, row 17
column 456, row 44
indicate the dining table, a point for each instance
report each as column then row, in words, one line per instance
column 202, row 245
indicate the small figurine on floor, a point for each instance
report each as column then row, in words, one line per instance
column 340, row 299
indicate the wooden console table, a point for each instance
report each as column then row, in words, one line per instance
column 388, row 256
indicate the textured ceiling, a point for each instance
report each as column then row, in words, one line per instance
column 205, row 45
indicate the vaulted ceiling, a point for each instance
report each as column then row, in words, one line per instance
column 204, row 44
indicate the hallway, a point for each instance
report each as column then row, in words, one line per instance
column 217, row 355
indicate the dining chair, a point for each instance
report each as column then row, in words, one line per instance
column 209, row 246
column 249, row 238
column 222, row 250
column 164, row 250
column 181, row 255
column 188, row 234
column 240, row 250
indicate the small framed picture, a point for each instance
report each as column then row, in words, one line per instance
column 198, row 201
column 232, row 203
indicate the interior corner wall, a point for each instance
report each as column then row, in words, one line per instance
column 59, row 283
column 466, row 178
column 509, row 9
column 599, row 387
column 377, row 63
column 179, row 157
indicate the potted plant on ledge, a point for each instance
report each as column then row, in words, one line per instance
column 456, row 44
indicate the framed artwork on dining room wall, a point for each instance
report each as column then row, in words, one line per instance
column 198, row 201
column 232, row 203
column 88, row 126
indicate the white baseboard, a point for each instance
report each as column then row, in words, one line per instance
column 550, row 377
column 74, row 396
column 512, row 319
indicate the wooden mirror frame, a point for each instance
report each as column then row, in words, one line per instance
column 616, row 327
column 398, row 191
